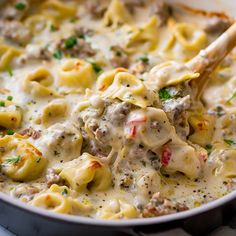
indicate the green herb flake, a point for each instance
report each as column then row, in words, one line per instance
column 38, row 159
column 13, row 160
column 9, row 98
column 231, row 98
column 229, row 141
column 143, row 163
column 53, row 28
column 64, row 192
column 142, row 79
column 73, row 20
column 98, row 69
column 10, row 132
column 144, row 59
column 70, row 42
column 20, row 6
column 57, row 54
column 9, row 71
column 2, row 104
column 164, row 94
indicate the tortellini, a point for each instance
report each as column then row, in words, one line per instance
column 186, row 40
column 57, row 9
column 87, row 173
column 20, row 160
column 203, row 129
column 62, row 140
column 58, row 199
column 119, row 83
column 223, row 159
column 167, row 74
column 76, row 73
column 53, row 112
column 7, row 53
column 116, row 14
column 10, row 115
column 145, row 38
column 118, row 209
column 37, row 83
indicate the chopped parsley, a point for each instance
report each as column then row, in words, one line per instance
column 143, row 163
column 98, row 69
column 9, row 98
column 64, row 192
column 53, row 28
column 73, row 20
column 20, row 6
column 9, row 71
column 144, row 59
column 2, row 104
column 38, row 160
column 231, row 98
column 164, row 94
column 208, row 147
column 13, row 160
column 70, row 42
column 229, row 141
column 10, row 132
column 58, row 54
column 142, row 79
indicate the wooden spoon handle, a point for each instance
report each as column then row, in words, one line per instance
column 207, row 60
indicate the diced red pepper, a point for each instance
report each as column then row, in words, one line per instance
column 165, row 156
column 133, row 132
column 202, row 156
column 138, row 121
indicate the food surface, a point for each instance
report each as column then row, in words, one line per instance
column 97, row 110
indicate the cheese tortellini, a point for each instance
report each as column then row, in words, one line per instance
column 121, row 84
column 38, row 83
column 20, row 160
column 10, row 115
column 76, row 73
column 87, row 173
column 118, row 209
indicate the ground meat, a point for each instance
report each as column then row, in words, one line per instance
column 81, row 32
column 216, row 25
column 15, row 31
column 139, row 68
column 159, row 206
column 162, row 11
column 102, row 134
column 31, row 133
column 118, row 112
column 118, row 57
column 176, row 112
column 97, row 8
column 52, row 177
column 10, row 12
column 81, row 49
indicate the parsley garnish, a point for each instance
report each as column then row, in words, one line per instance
column 143, row 163
column 144, row 59
column 10, row 132
column 229, row 141
column 164, row 94
column 20, row 6
column 98, row 69
column 70, row 42
column 64, row 192
column 231, row 98
column 2, row 104
column 53, row 28
column 208, row 147
column 13, row 160
column 9, row 98
column 58, row 54
column 38, row 160
column 9, row 71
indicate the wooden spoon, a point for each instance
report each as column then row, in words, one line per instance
column 208, row 59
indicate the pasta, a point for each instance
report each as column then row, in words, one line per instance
column 97, row 109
